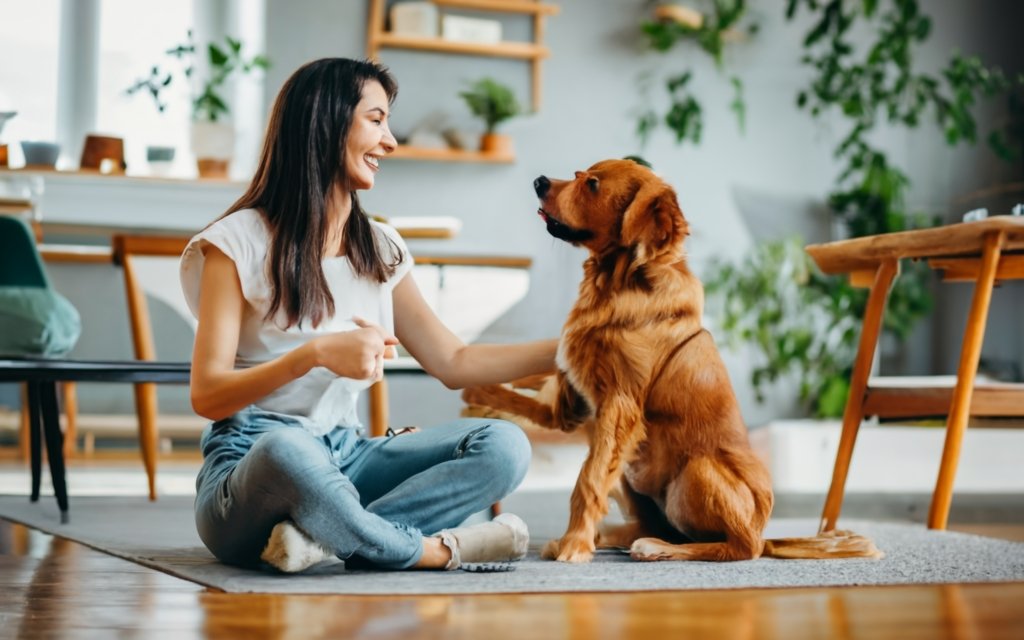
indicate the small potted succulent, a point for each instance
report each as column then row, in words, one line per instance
column 213, row 136
column 494, row 103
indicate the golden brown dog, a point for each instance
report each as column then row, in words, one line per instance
column 644, row 379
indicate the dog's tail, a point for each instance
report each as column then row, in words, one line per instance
column 829, row 544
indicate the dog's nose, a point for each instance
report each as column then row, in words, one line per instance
column 541, row 186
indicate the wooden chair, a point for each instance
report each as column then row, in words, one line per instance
column 21, row 266
column 125, row 249
column 985, row 252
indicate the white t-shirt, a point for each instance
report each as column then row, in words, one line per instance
column 321, row 398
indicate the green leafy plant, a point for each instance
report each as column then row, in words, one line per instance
column 801, row 322
column 222, row 61
column 710, row 32
column 877, row 85
column 491, row 101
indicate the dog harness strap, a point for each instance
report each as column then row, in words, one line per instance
column 668, row 358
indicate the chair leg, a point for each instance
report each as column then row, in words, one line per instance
column 71, row 418
column 55, row 447
column 854, row 412
column 146, row 410
column 35, row 430
column 378, row 408
column 960, row 407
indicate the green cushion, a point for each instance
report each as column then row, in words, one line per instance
column 36, row 321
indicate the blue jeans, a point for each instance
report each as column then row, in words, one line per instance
column 368, row 498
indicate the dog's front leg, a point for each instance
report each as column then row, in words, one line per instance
column 563, row 407
column 618, row 429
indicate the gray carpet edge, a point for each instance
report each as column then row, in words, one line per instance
column 953, row 557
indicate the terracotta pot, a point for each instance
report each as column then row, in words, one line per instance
column 498, row 144
column 100, row 152
column 213, row 168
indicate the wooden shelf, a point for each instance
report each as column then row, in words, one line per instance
column 534, row 52
column 404, row 152
column 519, row 50
column 506, row 6
column 927, row 396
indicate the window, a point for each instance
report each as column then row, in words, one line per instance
column 28, row 34
column 135, row 36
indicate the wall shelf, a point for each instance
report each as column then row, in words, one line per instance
column 404, row 152
column 506, row 6
column 377, row 36
column 520, row 50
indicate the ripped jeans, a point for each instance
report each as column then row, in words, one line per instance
column 368, row 498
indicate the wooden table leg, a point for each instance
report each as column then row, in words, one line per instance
column 854, row 412
column 960, row 407
column 146, row 411
column 55, row 447
column 24, row 438
column 71, row 419
column 35, row 436
column 378, row 408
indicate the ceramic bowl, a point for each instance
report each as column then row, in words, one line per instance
column 40, row 154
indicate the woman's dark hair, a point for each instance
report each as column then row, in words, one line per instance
column 302, row 161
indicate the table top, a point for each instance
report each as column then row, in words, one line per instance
column 60, row 370
column 962, row 239
column 54, row 370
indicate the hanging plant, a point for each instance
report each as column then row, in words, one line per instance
column 711, row 31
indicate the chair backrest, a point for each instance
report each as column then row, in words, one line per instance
column 20, row 264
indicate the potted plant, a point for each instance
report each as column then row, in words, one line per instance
column 213, row 136
column 494, row 103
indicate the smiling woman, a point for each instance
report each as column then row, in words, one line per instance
column 296, row 283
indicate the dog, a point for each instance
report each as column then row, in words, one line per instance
column 643, row 378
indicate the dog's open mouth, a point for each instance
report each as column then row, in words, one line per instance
column 562, row 231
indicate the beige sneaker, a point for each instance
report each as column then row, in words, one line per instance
column 503, row 539
column 290, row 550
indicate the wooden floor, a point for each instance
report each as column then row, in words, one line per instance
column 53, row 588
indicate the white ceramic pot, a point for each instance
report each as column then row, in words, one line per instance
column 213, row 140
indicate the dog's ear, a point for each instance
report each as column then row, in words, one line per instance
column 653, row 221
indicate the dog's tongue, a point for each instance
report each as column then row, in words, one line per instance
column 544, row 215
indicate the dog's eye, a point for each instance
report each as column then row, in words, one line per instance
column 593, row 183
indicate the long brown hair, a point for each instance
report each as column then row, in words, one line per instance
column 303, row 158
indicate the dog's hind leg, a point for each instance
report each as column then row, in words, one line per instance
column 714, row 497
column 643, row 518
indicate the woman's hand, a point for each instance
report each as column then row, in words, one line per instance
column 358, row 354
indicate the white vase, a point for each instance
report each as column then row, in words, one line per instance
column 213, row 145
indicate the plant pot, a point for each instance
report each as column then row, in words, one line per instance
column 160, row 159
column 40, row 154
column 498, row 144
column 213, row 145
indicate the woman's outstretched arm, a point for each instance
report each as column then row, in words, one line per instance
column 454, row 363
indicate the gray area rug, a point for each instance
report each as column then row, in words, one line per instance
column 161, row 535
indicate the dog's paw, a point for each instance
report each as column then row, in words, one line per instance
column 569, row 549
column 648, row 550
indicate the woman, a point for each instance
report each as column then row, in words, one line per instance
column 299, row 298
